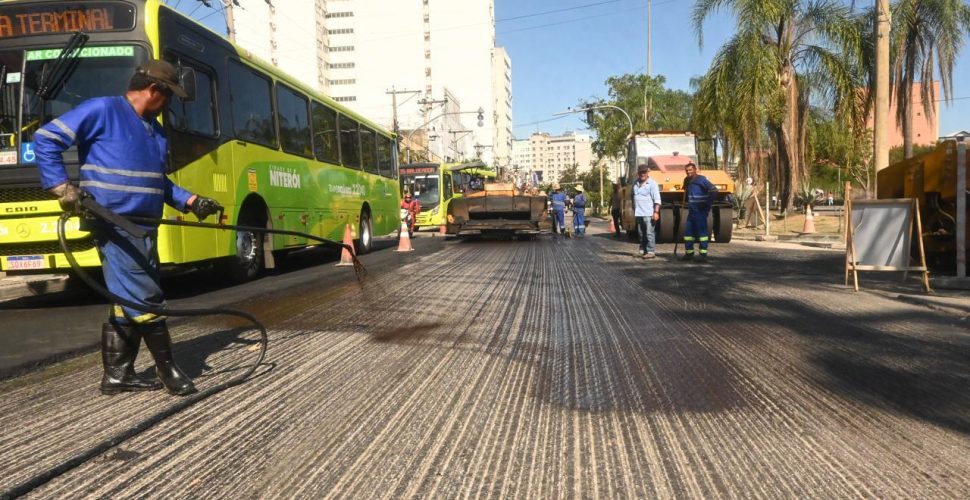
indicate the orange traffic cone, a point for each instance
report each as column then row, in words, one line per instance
column 612, row 226
column 346, row 256
column 443, row 230
column 809, row 227
column 404, row 241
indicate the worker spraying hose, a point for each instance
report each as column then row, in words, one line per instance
column 122, row 152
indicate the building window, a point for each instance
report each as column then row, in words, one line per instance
column 343, row 65
column 341, row 31
column 346, row 81
column 345, row 98
column 333, row 15
column 341, row 48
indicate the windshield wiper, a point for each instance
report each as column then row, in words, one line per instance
column 53, row 79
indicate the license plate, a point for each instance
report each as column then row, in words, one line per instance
column 18, row 262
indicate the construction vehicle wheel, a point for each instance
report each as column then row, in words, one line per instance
column 723, row 224
column 665, row 232
column 682, row 223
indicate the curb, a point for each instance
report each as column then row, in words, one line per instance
column 29, row 286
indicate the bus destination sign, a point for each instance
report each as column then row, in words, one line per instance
column 417, row 170
column 54, row 18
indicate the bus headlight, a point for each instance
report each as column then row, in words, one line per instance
column 434, row 211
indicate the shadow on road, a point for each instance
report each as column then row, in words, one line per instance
column 922, row 373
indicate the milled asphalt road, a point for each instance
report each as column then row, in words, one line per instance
column 537, row 369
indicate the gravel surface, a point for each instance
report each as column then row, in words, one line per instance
column 538, row 369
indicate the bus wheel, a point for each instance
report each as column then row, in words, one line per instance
column 247, row 264
column 365, row 243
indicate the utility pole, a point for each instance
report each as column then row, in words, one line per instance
column 646, row 100
column 394, row 94
column 230, row 21
column 880, row 155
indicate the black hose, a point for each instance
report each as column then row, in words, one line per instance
column 112, row 441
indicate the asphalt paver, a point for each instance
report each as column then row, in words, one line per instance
column 547, row 368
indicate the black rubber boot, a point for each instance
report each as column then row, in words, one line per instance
column 159, row 343
column 119, row 347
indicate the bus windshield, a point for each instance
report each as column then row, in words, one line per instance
column 101, row 71
column 426, row 190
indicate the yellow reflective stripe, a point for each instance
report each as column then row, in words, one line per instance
column 704, row 238
column 143, row 318
column 704, row 250
column 688, row 238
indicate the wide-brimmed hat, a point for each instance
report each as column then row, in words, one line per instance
column 579, row 188
column 556, row 187
column 163, row 72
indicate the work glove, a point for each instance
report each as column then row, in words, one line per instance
column 204, row 207
column 69, row 196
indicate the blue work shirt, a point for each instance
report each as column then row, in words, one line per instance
column 122, row 157
column 645, row 196
column 558, row 201
column 700, row 192
column 579, row 201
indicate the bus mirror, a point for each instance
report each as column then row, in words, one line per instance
column 187, row 81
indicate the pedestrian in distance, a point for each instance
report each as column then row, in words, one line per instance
column 558, row 200
column 122, row 152
column 412, row 208
column 646, row 211
column 579, row 210
column 616, row 208
column 700, row 198
column 831, row 199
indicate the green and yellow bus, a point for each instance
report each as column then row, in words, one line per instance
column 434, row 185
column 272, row 151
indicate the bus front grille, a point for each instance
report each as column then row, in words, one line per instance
column 17, row 195
column 45, row 247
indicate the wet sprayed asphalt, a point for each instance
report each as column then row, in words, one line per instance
column 537, row 369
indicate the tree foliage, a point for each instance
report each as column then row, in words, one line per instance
column 784, row 55
column 927, row 38
column 666, row 109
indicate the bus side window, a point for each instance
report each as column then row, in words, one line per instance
column 325, row 134
column 449, row 192
column 368, row 149
column 349, row 142
column 252, row 106
column 385, row 160
column 196, row 117
column 294, row 124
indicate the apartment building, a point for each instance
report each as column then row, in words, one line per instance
column 546, row 157
column 403, row 63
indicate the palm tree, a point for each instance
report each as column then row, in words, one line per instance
column 927, row 37
column 784, row 53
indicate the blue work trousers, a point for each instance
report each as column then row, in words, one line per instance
column 130, row 267
column 696, row 230
column 559, row 219
column 648, row 236
column 579, row 220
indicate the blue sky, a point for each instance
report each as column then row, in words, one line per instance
column 563, row 50
column 561, row 57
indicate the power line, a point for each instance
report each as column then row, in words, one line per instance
column 566, row 9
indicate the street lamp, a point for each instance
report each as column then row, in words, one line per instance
column 589, row 118
column 481, row 122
